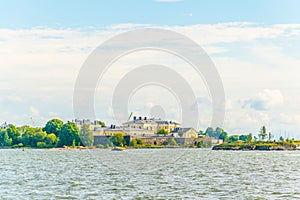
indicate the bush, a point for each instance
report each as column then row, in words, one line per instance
column 118, row 139
column 139, row 141
column 133, row 142
column 99, row 146
column 41, row 145
column 172, row 142
column 200, row 144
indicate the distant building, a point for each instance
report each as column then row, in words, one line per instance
column 184, row 133
column 144, row 128
column 151, row 124
column 94, row 124
column 112, row 130
column 4, row 125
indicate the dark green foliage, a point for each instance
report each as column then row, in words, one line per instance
column 200, row 144
column 243, row 138
column 68, row 133
column 262, row 133
column 4, row 139
column 86, row 135
column 233, row 138
column 133, row 142
column 13, row 133
column 41, row 145
column 51, row 140
column 139, row 141
column 201, row 134
column 210, row 132
column 101, row 123
column 162, row 132
column 249, row 138
column 219, row 133
column 53, row 126
column 172, row 142
column 118, row 140
column 32, row 136
column 281, row 138
column 223, row 136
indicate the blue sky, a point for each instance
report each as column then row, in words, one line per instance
column 76, row 14
column 255, row 46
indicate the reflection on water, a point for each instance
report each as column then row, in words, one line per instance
column 149, row 174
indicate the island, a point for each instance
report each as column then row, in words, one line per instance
column 140, row 132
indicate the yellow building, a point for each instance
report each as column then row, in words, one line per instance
column 151, row 124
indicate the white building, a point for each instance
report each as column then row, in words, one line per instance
column 151, row 124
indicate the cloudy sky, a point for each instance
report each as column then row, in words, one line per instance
column 254, row 45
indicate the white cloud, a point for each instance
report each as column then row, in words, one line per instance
column 266, row 100
column 249, row 57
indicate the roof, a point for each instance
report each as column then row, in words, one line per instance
column 182, row 130
column 150, row 121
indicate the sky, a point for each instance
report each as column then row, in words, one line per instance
column 254, row 45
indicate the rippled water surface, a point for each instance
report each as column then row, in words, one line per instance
column 149, row 174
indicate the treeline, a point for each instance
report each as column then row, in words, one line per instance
column 262, row 136
column 56, row 133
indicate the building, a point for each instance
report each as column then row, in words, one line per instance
column 151, row 124
column 4, row 125
column 145, row 129
column 184, row 133
column 94, row 124
column 112, row 130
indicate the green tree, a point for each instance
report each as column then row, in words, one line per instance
column 101, row 123
column 118, row 139
column 68, row 132
column 27, row 138
column 32, row 136
column 13, row 133
column 86, row 136
column 41, row 145
column 39, row 136
column 162, row 132
column 223, row 136
column 139, row 141
column 51, row 140
column 218, row 132
column 255, row 138
column 133, row 142
column 201, row 134
column 200, row 144
column 281, row 139
column 243, row 137
column 172, row 142
column 210, row 132
column 53, row 126
column 270, row 136
column 262, row 133
column 233, row 138
column 4, row 139
column 249, row 138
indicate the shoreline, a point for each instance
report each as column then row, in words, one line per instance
column 214, row 148
column 256, row 148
